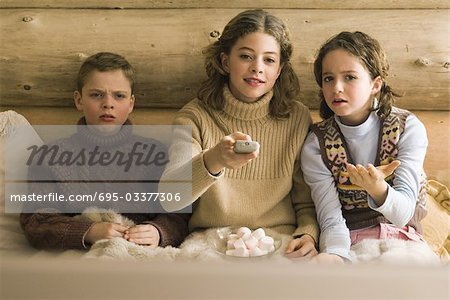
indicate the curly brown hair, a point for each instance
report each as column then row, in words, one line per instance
column 286, row 87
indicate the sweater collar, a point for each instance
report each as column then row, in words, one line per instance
column 246, row 111
column 92, row 137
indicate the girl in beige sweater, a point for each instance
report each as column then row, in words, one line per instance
column 249, row 95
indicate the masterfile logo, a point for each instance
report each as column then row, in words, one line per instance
column 71, row 168
column 146, row 154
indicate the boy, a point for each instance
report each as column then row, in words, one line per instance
column 104, row 95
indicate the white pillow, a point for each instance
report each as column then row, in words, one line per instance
column 16, row 135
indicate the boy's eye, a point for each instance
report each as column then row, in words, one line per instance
column 96, row 95
column 121, row 96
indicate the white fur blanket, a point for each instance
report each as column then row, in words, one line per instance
column 200, row 246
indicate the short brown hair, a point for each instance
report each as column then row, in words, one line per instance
column 105, row 61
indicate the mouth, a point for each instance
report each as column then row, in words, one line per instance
column 254, row 81
column 339, row 100
column 107, row 117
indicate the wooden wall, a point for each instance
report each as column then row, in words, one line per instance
column 43, row 43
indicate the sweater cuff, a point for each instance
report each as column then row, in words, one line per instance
column 75, row 234
column 311, row 230
column 215, row 176
column 201, row 178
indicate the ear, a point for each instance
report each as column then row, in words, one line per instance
column 376, row 85
column 130, row 109
column 78, row 100
column 225, row 62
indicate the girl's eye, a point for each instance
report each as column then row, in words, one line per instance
column 270, row 60
column 350, row 77
column 245, row 56
column 327, row 79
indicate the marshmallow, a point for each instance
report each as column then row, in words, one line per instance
column 242, row 252
column 244, row 232
column 251, row 242
column 239, row 243
column 257, row 252
column 259, row 233
column 245, row 243
column 266, row 243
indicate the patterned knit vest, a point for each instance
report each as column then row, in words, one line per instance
column 353, row 199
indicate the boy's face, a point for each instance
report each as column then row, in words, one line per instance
column 106, row 98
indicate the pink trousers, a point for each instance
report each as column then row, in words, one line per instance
column 385, row 231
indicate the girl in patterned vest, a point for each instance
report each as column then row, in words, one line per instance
column 364, row 162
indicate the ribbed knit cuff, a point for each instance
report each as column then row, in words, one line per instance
column 215, row 176
column 201, row 179
column 311, row 230
column 74, row 235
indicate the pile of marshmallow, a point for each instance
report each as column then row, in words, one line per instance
column 245, row 243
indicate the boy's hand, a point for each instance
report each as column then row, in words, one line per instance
column 302, row 247
column 222, row 155
column 104, row 230
column 145, row 235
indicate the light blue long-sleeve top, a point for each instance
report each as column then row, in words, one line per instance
column 362, row 141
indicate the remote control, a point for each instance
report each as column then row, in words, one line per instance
column 245, row 146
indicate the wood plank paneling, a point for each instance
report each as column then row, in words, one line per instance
column 308, row 4
column 41, row 50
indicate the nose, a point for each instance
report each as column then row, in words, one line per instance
column 108, row 102
column 338, row 87
column 257, row 67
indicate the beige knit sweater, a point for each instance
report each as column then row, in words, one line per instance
column 267, row 192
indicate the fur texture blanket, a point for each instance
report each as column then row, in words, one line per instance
column 201, row 246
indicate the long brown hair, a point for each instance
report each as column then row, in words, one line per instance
column 372, row 57
column 286, row 87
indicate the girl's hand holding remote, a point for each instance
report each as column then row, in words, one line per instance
column 223, row 156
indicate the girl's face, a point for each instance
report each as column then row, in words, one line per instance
column 105, row 98
column 347, row 86
column 253, row 66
